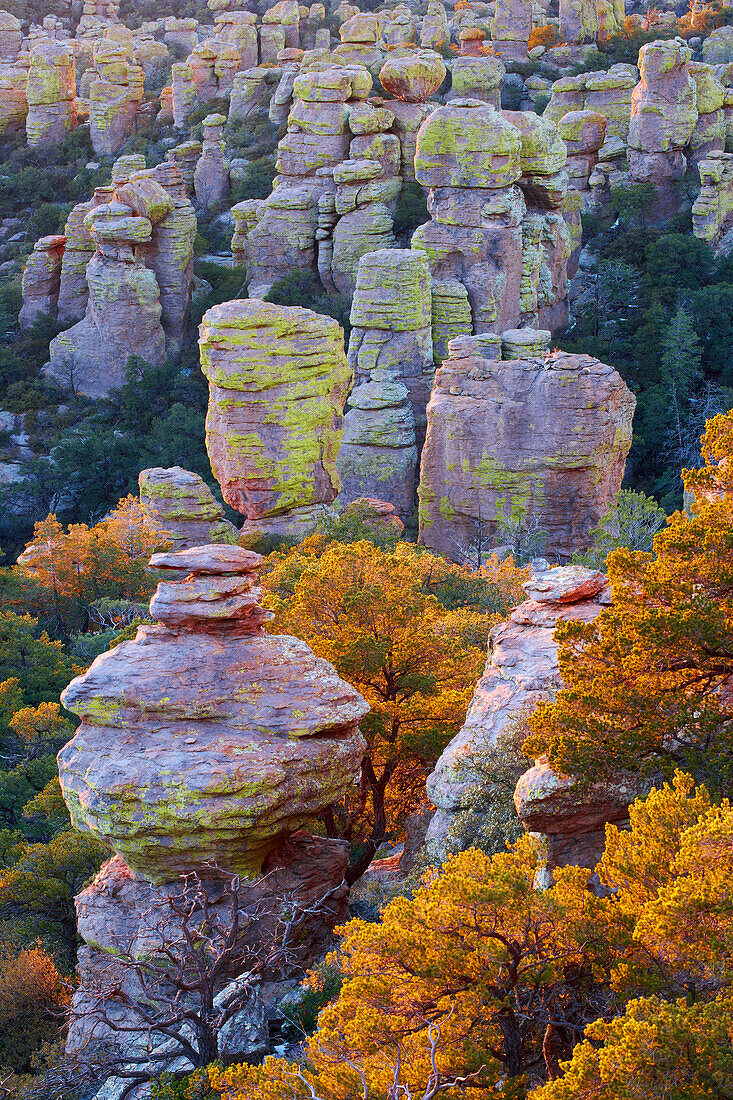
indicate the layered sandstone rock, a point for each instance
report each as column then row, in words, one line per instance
column 391, row 324
column 211, row 177
column 238, row 29
column 434, row 32
column 478, row 78
column 144, row 238
column 378, row 454
column 710, row 128
column 583, row 133
column 11, row 37
column 51, row 92
column 41, row 280
column 186, row 156
column 608, row 93
column 170, row 253
column 248, row 91
column 205, row 740
column 541, row 437
column 114, row 97
column 278, row 380
column 204, row 748
column 184, row 508
column 497, row 191
column 120, row 912
column 579, row 22
column 317, row 141
column 712, row 212
column 13, row 98
column 78, row 251
column 123, row 310
column 521, row 671
column 511, row 28
column 364, row 198
column 658, row 134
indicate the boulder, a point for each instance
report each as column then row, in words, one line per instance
column 184, row 508
column 542, row 436
column 278, row 380
column 414, row 78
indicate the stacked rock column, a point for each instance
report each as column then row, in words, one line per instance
column 205, row 748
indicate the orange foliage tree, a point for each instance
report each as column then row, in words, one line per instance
column 408, row 629
column 63, row 572
column 484, row 980
column 650, row 682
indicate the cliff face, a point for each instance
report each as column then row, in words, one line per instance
column 546, row 436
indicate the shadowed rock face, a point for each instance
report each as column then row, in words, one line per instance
column 547, row 434
column 278, row 380
column 205, row 740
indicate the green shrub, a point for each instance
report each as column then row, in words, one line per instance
column 412, row 210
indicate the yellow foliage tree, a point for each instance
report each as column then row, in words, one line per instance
column 63, row 572
column 377, row 617
column 649, row 683
column 484, row 979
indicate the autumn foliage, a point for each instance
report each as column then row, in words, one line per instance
column 62, row 572
column 483, row 978
column 649, row 683
column 409, row 630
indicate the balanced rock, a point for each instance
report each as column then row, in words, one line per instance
column 205, row 741
column 546, row 435
column 414, row 78
column 184, row 508
column 278, row 380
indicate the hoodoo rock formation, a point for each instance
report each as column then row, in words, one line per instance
column 278, row 380
column 522, row 670
column 236, row 769
column 184, row 507
column 51, row 93
column 391, row 323
column 205, row 746
column 544, row 437
column 129, row 273
column 658, row 135
column 497, row 190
